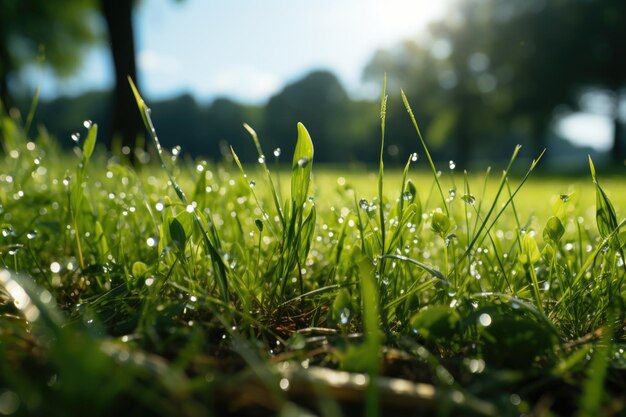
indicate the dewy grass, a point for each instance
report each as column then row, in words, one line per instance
column 193, row 288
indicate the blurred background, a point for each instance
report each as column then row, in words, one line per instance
column 481, row 75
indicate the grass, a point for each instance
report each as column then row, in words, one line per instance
column 194, row 288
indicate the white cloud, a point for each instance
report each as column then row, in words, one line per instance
column 586, row 129
column 156, row 62
column 247, row 82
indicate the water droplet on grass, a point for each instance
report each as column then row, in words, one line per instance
column 344, row 316
column 252, row 184
column 303, row 162
column 176, row 150
column 151, row 242
column 469, row 199
column 55, row 267
column 31, row 235
column 277, row 152
column 484, row 320
column 76, row 137
column 451, row 165
column 450, row 238
column 87, row 124
column 476, row 366
column 149, row 281
column 261, row 159
column 414, row 157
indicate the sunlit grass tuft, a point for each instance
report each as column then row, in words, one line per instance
column 198, row 283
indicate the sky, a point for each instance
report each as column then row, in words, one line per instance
column 249, row 49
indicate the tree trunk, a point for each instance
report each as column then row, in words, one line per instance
column 463, row 147
column 126, row 120
column 617, row 150
column 5, row 68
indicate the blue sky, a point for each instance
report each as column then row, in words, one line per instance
column 249, row 49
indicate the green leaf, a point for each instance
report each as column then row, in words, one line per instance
column 410, row 192
column 554, row 230
column 101, row 240
column 177, row 233
column 139, row 269
column 90, row 143
column 434, row 323
column 301, row 167
column 306, row 235
column 530, row 252
column 440, row 223
column 606, row 219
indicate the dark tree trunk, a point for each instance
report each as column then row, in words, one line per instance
column 463, row 152
column 617, row 150
column 126, row 120
column 5, row 68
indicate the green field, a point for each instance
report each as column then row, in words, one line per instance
column 196, row 288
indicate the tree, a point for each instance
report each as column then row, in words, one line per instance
column 32, row 28
column 511, row 63
column 126, row 120
column 321, row 103
column 448, row 82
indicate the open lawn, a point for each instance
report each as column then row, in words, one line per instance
column 199, row 289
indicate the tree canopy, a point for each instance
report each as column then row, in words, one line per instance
column 30, row 29
column 496, row 66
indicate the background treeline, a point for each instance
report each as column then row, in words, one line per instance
column 344, row 130
column 491, row 74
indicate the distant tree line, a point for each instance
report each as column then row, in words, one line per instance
column 492, row 74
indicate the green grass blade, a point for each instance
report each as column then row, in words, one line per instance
column 381, row 165
column 211, row 241
column 301, row 168
column 593, row 387
column 426, row 151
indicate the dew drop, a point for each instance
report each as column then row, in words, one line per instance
column 484, row 319
column 55, row 267
column 252, row 184
column 344, row 316
column 451, row 165
column 76, row 137
column 414, row 156
column 469, row 199
column 149, row 281
column 277, row 152
column 303, row 162
column 151, row 242
column 87, row 124
column 176, row 150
